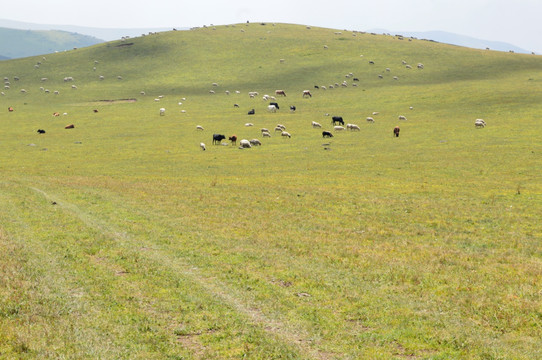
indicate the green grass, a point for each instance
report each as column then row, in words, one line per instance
column 123, row 240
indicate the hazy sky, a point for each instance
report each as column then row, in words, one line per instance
column 518, row 22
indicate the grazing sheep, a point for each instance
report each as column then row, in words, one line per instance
column 249, row 124
column 266, row 134
column 352, row 127
column 264, row 130
column 316, row 125
column 255, row 142
column 402, row 117
column 420, row 66
column 338, row 128
column 370, row 119
column 479, row 123
column 162, row 111
column 244, row 144
column 286, row 134
column 202, row 146
column 199, row 127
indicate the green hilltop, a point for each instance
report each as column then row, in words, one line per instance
column 126, row 240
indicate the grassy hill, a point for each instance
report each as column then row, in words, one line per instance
column 124, row 240
column 22, row 43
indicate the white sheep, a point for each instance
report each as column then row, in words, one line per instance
column 266, row 134
column 162, row 111
column 316, row 125
column 202, row 146
column 244, row 144
column 479, row 123
column 286, row 134
column 249, row 124
column 402, row 117
column 199, row 127
column 370, row 119
column 255, row 142
column 352, row 127
column 338, row 128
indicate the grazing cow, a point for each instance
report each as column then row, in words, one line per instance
column 307, row 93
column 275, row 104
column 236, row 105
column 396, row 131
column 70, row 126
column 41, row 131
column 56, row 114
column 202, row 146
column 337, row 119
column 233, row 139
column 95, row 110
column 251, row 112
column 217, row 138
column 292, row 108
column 10, row 109
column 327, row 134
column 280, row 92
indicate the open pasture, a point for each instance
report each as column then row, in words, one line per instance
column 123, row 239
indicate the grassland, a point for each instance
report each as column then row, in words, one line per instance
column 121, row 239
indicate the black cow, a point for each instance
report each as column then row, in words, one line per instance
column 251, row 112
column 274, row 103
column 396, row 131
column 217, row 138
column 337, row 119
column 327, row 134
column 41, row 131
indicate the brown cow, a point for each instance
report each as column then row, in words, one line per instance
column 280, row 92
column 233, row 139
column 70, row 126
column 396, row 131
column 10, row 109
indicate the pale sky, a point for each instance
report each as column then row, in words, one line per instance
column 518, row 22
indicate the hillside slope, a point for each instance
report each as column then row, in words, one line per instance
column 23, row 43
column 126, row 240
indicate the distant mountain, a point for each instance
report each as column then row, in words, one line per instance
column 23, row 43
column 455, row 39
column 100, row 33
